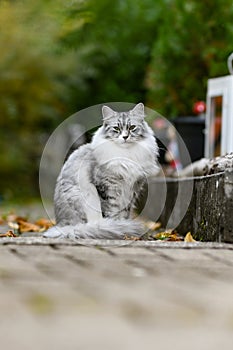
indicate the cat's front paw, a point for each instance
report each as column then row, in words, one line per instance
column 53, row 232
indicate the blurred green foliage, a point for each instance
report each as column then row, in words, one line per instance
column 34, row 88
column 193, row 43
column 59, row 57
column 115, row 47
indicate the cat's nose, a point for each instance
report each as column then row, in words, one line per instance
column 125, row 137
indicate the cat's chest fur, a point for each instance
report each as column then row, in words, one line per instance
column 128, row 160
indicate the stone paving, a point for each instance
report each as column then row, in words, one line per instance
column 95, row 294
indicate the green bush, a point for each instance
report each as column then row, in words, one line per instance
column 34, row 89
column 194, row 40
column 59, row 57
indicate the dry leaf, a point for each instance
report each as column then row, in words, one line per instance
column 22, row 225
column 2, row 221
column 161, row 235
column 12, row 221
column 169, row 235
column 45, row 224
column 175, row 237
column 189, row 238
column 25, row 226
column 131, row 238
column 8, row 234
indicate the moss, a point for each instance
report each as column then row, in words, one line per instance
column 201, row 234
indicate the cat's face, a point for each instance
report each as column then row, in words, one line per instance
column 124, row 127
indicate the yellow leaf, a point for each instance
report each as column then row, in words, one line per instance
column 168, row 235
column 189, row 238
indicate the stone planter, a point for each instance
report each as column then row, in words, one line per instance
column 202, row 205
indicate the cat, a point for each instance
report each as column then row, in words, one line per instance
column 100, row 182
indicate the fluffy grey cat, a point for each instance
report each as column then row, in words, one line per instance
column 100, row 182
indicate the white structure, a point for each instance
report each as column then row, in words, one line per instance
column 219, row 115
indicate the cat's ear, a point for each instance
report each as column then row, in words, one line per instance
column 107, row 112
column 138, row 110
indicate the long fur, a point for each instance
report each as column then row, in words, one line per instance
column 100, row 182
column 105, row 228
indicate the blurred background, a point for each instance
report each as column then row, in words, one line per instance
column 57, row 57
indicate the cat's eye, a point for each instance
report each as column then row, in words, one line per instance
column 132, row 127
column 115, row 128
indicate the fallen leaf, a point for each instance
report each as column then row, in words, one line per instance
column 2, row 221
column 25, row 226
column 131, row 238
column 189, row 238
column 168, row 235
column 161, row 235
column 175, row 237
column 45, row 224
column 12, row 221
column 22, row 225
column 8, row 234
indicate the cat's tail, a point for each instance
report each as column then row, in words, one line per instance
column 104, row 228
